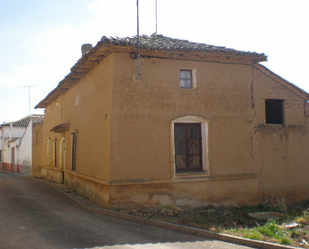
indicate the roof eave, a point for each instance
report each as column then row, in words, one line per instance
column 104, row 47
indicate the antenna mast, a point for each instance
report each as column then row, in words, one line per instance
column 138, row 46
column 30, row 123
column 29, row 98
column 156, row 17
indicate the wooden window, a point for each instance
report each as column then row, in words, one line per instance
column 274, row 111
column 62, row 153
column 188, row 147
column 55, row 152
column 48, row 146
column 74, row 150
column 185, row 78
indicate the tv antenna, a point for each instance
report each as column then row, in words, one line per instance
column 29, row 97
column 138, row 45
column 156, row 17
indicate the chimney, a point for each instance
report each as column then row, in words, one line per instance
column 86, row 48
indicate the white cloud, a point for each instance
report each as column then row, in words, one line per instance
column 54, row 41
column 119, row 17
column 25, row 75
column 276, row 28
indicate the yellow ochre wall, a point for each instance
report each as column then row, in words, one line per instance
column 143, row 111
column 86, row 107
column 124, row 155
column 281, row 152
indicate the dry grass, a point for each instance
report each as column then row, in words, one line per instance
column 236, row 221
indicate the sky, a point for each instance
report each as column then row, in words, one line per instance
column 40, row 40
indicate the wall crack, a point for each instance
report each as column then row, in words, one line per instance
column 251, row 141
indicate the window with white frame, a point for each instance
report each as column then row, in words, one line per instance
column 190, row 144
column 187, row 78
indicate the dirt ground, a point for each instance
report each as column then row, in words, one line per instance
column 291, row 229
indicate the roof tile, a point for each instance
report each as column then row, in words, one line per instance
column 160, row 42
column 154, row 42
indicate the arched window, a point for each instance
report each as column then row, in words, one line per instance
column 189, row 137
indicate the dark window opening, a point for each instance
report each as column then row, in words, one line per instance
column 274, row 111
column 188, row 147
column 55, row 153
column 185, row 78
column 74, row 150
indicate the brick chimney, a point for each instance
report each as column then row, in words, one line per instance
column 86, row 48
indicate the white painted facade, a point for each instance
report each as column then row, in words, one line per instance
column 16, row 144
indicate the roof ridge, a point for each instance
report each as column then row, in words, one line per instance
column 23, row 122
column 160, row 42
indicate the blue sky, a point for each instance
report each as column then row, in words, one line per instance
column 41, row 39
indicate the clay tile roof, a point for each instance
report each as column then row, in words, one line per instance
column 154, row 42
column 60, row 128
column 160, row 42
column 21, row 123
column 24, row 122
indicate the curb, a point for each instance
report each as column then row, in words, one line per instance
column 171, row 226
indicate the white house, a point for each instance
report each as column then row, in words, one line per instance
column 16, row 144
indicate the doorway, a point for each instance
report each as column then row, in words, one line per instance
column 12, row 159
column 62, row 157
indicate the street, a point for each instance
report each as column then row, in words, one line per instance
column 35, row 215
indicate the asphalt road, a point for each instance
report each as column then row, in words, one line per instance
column 35, row 215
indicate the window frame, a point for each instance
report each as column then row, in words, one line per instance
column 192, row 77
column 48, row 146
column 204, row 144
column 185, row 153
column 63, row 144
column 280, row 116
column 74, row 143
column 55, row 152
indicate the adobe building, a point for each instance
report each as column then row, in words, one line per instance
column 203, row 125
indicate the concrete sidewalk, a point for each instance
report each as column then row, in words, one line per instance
column 180, row 228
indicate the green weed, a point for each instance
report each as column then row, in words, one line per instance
column 253, row 234
column 271, row 229
column 285, row 241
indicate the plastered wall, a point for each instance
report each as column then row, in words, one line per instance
column 86, row 107
column 124, row 155
column 144, row 111
column 281, row 151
